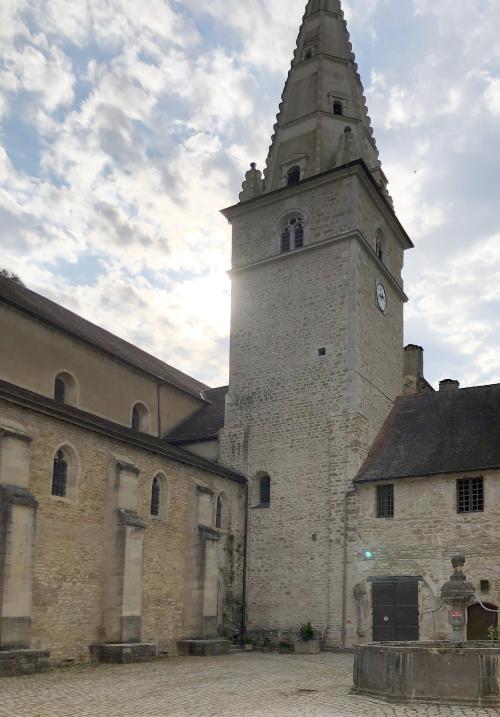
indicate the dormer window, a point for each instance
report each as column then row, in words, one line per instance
column 292, row 233
column 293, row 176
column 338, row 108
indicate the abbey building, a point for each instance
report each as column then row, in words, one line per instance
column 142, row 511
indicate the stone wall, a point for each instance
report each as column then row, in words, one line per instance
column 72, row 560
column 308, row 417
column 419, row 541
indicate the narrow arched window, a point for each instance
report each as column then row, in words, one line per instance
column 292, row 233
column 155, row 497
column 218, row 513
column 59, row 390
column 293, row 176
column 265, row 491
column 136, row 418
column 381, row 247
column 65, row 389
column 338, row 108
column 140, row 418
column 60, row 474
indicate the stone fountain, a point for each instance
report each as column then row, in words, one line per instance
column 454, row 672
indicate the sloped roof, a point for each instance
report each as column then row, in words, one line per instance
column 89, row 421
column 442, row 432
column 49, row 312
column 206, row 423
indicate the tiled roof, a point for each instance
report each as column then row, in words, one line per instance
column 442, row 432
column 206, row 423
column 49, row 312
column 89, row 421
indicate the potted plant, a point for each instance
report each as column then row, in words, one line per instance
column 248, row 643
column 307, row 644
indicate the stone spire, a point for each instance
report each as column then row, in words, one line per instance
column 323, row 120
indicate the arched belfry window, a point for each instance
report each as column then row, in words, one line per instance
column 65, row 473
column 265, row 491
column 65, row 389
column 140, row 418
column 60, row 474
column 292, row 233
column 293, row 175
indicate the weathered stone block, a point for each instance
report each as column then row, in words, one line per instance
column 204, row 648
column 123, row 653
column 23, row 662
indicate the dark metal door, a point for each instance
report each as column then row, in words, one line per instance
column 395, row 610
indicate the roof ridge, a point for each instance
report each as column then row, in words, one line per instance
column 33, row 303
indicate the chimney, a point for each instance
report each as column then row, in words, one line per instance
column 449, row 385
column 413, row 368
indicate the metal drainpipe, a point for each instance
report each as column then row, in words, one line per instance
column 348, row 494
column 243, row 626
column 158, row 409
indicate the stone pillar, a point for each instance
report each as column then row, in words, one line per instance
column 210, row 566
column 17, row 544
column 17, row 538
column 209, row 562
column 124, row 559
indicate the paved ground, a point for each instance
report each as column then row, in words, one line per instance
column 241, row 685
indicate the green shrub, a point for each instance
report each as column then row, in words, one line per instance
column 306, row 632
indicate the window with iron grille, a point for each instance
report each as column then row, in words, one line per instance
column 299, row 235
column 59, row 390
column 470, row 495
column 385, row 501
column 60, row 475
column 155, row 497
column 265, row 491
column 338, row 108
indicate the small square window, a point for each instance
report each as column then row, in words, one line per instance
column 470, row 495
column 485, row 586
column 322, row 352
column 385, row 501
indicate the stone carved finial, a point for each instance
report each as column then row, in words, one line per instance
column 253, row 186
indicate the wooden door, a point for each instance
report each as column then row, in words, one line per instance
column 480, row 621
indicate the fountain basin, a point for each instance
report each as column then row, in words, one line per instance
column 429, row 672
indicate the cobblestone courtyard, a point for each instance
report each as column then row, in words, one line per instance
column 241, row 685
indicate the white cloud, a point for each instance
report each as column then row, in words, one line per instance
column 146, row 122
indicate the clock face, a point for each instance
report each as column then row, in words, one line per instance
column 381, row 298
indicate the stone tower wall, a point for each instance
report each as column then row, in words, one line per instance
column 305, row 419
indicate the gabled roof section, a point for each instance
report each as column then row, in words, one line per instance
column 48, row 312
column 206, row 423
column 435, row 433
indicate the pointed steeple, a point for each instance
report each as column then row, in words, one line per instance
column 323, row 120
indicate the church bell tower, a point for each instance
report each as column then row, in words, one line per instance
column 316, row 331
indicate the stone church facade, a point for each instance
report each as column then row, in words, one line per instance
column 328, row 483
